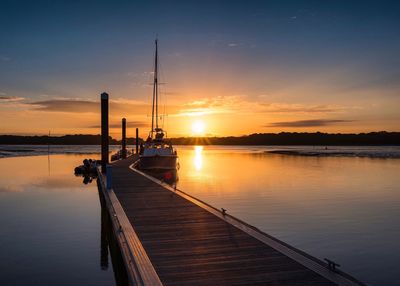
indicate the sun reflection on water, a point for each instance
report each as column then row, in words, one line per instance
column 198, row 158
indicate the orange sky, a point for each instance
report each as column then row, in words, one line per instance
column 225, row 102
column 219, row 110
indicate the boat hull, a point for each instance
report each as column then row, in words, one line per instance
column 158, row 162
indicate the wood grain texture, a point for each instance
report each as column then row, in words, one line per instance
column 138, row 266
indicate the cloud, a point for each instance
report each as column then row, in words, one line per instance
column 4, row 98
column 10, row 189
column 122, row 107
column 218, row 101
column 239, row 103
column 83, row 105
column 66, row 105
column 308, row 123
column 300, row 108
column 118, row 106
column 128, row 124
column 200, row 112
column 232, row 45
column 215, row 105
column 171, row 93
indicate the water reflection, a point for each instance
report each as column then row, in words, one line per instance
column 198, row 158
column 51, row 219
column 105, row 228
column 87, row 178
column 109, row 245
column 88, row 170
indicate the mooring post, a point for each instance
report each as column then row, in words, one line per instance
column 104, row 132
column 109, row 177
column 123, row 143
column 137, row 140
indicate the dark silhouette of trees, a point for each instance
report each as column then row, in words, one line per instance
column 283, row 138
column 286, row 138
column 78, row 139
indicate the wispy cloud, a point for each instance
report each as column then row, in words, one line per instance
column 216, row 105
column 5, row 98
column 171, row 92
column 308, row 123
column 10, row 189
column 64, row 105
column 229, row 104
column 218, row 101
column 72, row 105
column 203, row 106
column 128, row 123
column 200, row 112
column 300, row 108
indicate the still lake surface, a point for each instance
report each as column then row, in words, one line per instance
column 346, row 208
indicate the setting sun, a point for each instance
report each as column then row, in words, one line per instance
column 198, row 127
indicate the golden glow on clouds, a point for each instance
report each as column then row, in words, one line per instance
column 197, row 115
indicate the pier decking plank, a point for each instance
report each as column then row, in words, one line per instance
column 188, row 245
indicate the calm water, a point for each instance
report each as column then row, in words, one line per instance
column 343, row 208
column 50, row 224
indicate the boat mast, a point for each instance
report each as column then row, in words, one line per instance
column 155, row 93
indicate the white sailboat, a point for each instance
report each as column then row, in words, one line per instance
column 157, row 153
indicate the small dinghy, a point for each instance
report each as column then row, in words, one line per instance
column 88, row 168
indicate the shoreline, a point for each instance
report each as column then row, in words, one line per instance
column 329, row 153
column 374, row 152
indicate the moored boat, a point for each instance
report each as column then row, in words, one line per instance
column 157, row 153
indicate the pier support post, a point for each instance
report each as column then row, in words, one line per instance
column 104, row 131
column 103, row 240
column 137, row 140
column 123, row 143
column 109, row 177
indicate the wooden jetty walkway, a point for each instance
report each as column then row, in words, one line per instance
column 167, row 237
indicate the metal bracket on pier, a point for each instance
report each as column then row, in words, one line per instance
column 331, row 264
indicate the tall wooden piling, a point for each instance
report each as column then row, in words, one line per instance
column 104, row 131
column 123, row 141
column 137, row 140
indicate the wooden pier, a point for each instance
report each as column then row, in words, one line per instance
column 167, row 237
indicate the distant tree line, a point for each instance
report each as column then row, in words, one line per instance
column 294, row 138
column 283, row 138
